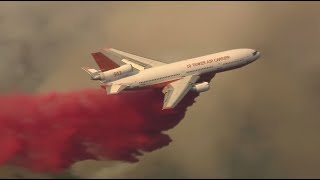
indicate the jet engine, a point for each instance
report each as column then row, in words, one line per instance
column 114, row 73
column 201, row 87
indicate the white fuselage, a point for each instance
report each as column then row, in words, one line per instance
column 161, row 75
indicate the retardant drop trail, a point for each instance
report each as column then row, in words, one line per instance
column 50, row 132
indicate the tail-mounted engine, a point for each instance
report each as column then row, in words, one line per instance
column 113, row 74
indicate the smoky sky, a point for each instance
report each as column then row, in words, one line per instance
column 260, row 121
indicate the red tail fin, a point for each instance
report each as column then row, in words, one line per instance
column 104, row 62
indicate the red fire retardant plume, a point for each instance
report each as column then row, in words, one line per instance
column 48, row 133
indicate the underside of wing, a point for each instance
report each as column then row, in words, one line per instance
column 175, row 91
column 207, row 77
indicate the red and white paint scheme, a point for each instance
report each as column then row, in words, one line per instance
column 123, row 71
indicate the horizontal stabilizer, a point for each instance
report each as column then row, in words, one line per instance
column 90, row 71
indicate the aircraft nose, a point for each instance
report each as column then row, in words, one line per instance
column 256, row 54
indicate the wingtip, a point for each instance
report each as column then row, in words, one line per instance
column 107, row 48
column 166, row 108
column 95, row 53
column 84, row 68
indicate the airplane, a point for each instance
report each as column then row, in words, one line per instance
column 121, row 71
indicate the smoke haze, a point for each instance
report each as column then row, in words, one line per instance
column 260, row 121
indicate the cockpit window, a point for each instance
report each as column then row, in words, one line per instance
column 255, row 53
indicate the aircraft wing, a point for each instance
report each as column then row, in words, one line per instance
column 137, row 62
column 115, row 88
column 175, row 91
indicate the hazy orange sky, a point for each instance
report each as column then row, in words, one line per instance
column 260, row 121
